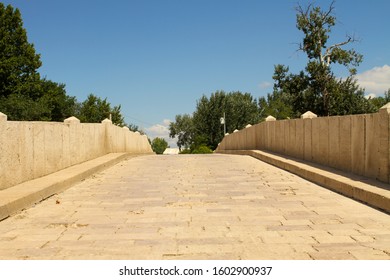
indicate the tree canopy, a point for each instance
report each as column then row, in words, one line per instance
column 159, row 145
column 183, row 129
column 18, row 60
column 316, row 88
column 204, row 127
column 24, row 95
column 95, row 109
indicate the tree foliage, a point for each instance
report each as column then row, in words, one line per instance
column 183, row 129
column 204, row 127
column 159, row 145
column 316, row 88
column 18, row 60
column 95, row 109
column 24, row 95
column 316, row 24
column 239, row 108
column 20, row 96
column 59, row 105
column 135, row 128
column 377, row 102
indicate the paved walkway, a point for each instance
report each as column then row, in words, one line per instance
column 196, row 207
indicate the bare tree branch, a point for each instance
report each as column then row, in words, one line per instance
column 328, row 51
column 331, row 8
column 303, row 12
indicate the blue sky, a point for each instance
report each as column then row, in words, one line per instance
column 157, row 58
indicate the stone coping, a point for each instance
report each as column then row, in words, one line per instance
column 371, row 192
column 28, row 193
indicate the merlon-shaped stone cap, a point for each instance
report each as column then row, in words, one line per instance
column 385, row 108
column 270, row 119
column 3, row 117
column 106, row 121
column 308, row 115
column 72, row 120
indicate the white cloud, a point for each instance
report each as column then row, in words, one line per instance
column 158, row 130
column 371, row 95
column 264, row 85
column 376, row 80
column 167, row 122
column 161, row 130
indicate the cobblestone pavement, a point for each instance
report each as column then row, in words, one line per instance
column 196, row 207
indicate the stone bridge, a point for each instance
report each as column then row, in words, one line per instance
column 126, row 203
column 194, row 207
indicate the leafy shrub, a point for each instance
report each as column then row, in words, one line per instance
column 203, row 149
column 185, row 151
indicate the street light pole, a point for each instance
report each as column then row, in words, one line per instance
column 224, row 124
column 223, row 121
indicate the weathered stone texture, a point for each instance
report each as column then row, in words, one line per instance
column 356, row 143
column 196, row 207
column 30, row 150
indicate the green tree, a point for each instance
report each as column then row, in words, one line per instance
column 94, row 110
column 377, row 102
column 116, row 116
column 51, row 103
column 59, row 105
column 23, row 94
column 316, row 88
column 19, row 79
column 135, row 128
column 18, row 60
column 18, row 107
column 183, row 129
column 276, row 105
column 159, row 145
column 205, row 129
column 239, row 108
column 316, row 25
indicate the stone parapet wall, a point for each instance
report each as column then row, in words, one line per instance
column 29, row 150
column 358, row 144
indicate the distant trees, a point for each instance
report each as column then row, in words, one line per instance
column 316, row 88
column 240, row 109
column 204, row 128
column 380, row 101
column 183, row 129
column 24, row 95
column 159, row 145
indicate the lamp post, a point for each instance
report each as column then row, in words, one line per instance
column 223, row 121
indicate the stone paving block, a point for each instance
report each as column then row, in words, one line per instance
column 305, row 248
column 328, row 238
column 196, row 207
column 297, row 222
column 364, row 254
column 336, row 226
column 344, row 232
column 363, row 238
column 332, row 256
